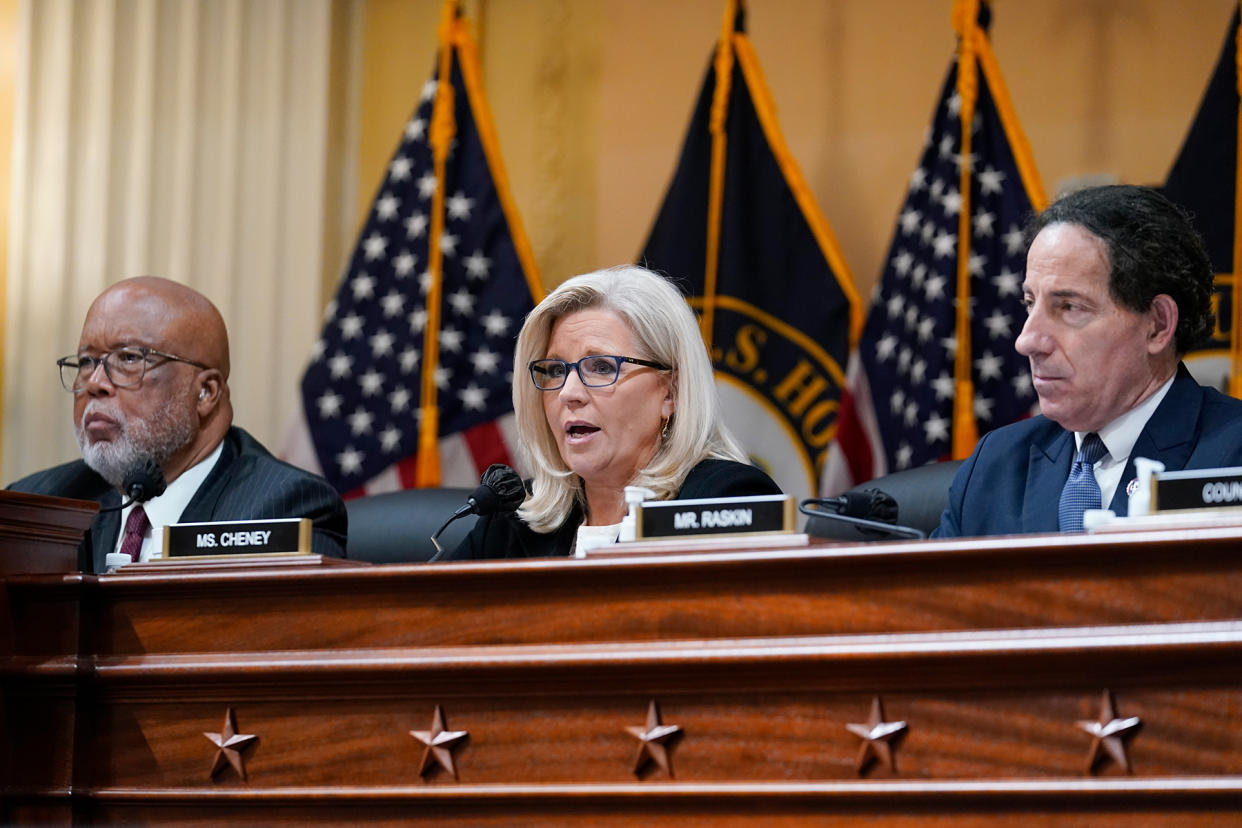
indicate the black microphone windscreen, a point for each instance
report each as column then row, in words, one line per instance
column 871, row 504
column 883, row 506
column 500, row 490
column 144, row 481
column 855, row 504
column 507, row 485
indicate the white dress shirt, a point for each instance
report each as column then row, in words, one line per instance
column 1119, row 438
column 167, row 508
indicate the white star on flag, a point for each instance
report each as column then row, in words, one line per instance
column 375, row 245
column 330, row 404
column 371, row 383
column 386, row 207
column 404, row 263
column 363, row 287
column 477, row 265
column 495, row 323
column 458, row 207
column 399, row 169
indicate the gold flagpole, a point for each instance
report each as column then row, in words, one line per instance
column 1235, row 306
column 965, row 429
column 715, row 194
column 443, row 127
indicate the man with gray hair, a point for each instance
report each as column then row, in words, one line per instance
column 150, row 385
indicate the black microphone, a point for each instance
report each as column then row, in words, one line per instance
column 500, row 490
column 871, row 511
column 870, row 504
column 143, row 481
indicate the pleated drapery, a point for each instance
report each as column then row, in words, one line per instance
column 207, row 141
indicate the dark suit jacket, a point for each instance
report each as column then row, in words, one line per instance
column 247, row 483
column 1012, row 483
column 505, row 535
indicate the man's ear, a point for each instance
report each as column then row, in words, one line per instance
column 1163, row 320
column 210, row 387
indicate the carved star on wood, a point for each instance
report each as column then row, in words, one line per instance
column 440, row 744
column 654, row 741
column 1109, row 734
column 879, row 738
column 229, row 746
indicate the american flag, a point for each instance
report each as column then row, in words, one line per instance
column 899, row 409
column 361, row 391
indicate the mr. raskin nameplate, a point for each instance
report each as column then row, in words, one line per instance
column 763, row 514
column 243, row 537
column 1197, row 489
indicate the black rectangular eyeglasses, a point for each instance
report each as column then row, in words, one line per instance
column 124, row 367
column 595, row 371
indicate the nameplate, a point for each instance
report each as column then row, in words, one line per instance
column 1197, row 489
column 242, row 537
column 760, row 515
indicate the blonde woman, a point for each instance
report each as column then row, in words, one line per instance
column 612, row 387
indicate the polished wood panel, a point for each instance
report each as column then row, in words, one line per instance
column 891, row 587
column 41, row 534
column 998, row 655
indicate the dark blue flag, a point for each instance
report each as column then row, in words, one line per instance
column 1204, row 181
column 364, row 393
column 762, row 267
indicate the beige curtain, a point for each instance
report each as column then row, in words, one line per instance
column 202, row 140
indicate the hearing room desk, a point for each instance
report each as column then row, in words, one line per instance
column 1040, row 679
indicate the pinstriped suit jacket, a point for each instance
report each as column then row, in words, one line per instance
column 247, row 483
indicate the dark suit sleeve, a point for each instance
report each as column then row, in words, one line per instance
column 951, row 520
column 304, row 495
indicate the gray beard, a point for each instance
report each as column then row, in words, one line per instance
column 168, row 431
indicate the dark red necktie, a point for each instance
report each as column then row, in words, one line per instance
column 135, row 528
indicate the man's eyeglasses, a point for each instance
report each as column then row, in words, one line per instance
column 598, row 371
column 125, row 367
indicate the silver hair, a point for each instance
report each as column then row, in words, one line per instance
column 666, row 331
column 157, row 438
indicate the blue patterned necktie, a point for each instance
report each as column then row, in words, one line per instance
column 1081, row 492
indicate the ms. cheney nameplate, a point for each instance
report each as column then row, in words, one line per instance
column 241, row 537
column 763, row 514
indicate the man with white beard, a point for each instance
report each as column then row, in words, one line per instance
column 150, row 383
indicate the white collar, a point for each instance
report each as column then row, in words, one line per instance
column 168, row 507
column 1121, row 434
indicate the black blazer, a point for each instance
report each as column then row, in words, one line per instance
column 505, row 535
column 247, row 483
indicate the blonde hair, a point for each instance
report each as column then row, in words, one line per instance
column 666, row 331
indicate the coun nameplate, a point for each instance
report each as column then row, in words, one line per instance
column 1197, row 489
column 241, row 537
